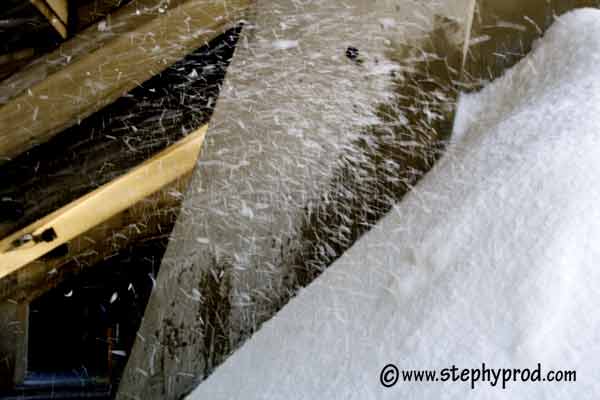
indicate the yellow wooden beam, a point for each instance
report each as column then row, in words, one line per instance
column 151, row 218
column 41, row 237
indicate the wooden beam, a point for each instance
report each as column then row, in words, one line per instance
column 99, row 65
column 14, row 325
column 152, row 218
column 503, row 32
column 92, row 11
column 470, row 14
column 115, row 139
column 58, row 228
column 22, row 343
column 61, row 9
column 49, row 13
column 11, row 62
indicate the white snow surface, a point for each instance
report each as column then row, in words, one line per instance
column 492, row 258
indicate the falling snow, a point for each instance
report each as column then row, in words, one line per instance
column 324, row 117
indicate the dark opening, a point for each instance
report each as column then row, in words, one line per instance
column 81, row 333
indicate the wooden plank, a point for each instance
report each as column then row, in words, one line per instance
column 100, row 65
column 114, row 140
column 49, row 13
column 21, row 345
column 61, row 9
column 58, row 228
column 150, row 219
column 10, row 332
column 92, row 11
column 11, row 62
column 14, row 325
column 468, row 30
column 504, row 31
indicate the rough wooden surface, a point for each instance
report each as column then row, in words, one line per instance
column 122, row 135
column 99, row 65
column 148, row 219
column 13, row 325
column 100, row 205
column 61, row 9
column 105, row 146
column 504, row 31
column 50, row 14
column 90, row 11
column 22, row 26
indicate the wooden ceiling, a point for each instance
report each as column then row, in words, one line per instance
column 29, row 28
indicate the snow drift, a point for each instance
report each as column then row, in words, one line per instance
column 492, row 258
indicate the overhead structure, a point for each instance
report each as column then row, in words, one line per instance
column 56, row 11
column 85, row 74
column 65, row 224
column 143, row 38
